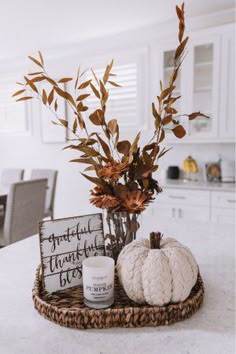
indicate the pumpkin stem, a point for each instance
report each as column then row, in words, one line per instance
column 155, row 240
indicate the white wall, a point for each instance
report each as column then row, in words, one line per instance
column 29, row 151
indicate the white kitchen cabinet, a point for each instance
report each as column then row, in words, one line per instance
column 206, row 83
column 182, row 212
column 223, row 216
column 184, row 197
column 223, row 207
column 225, row 200
column 166, row 60
column 227, row 87
column 198, row 205
column 183, row 204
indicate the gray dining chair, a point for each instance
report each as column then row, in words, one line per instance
column 8, row 176
column 25, row 207
column 11, row 175
column 51, row 176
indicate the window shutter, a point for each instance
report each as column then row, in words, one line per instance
column 122, row 102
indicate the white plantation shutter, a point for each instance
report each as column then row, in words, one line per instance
column 127, row 103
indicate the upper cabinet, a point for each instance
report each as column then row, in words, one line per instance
column 204, row 87
column 227, row 87
column 206, row 83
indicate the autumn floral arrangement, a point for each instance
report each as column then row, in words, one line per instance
column 122, row 170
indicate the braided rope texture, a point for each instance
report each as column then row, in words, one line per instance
column 66, row 308
column 157, row 276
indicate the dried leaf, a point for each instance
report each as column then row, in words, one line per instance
column 149, row 147
column 95, row 77
column 106, row 74
column 179, row 131
column 55, row 105
column 64, row 122
column 41, row 57
column 155, row 113
column 170, row 110
column 97, row 117
column 194, row 115
column 167, row 119
column 31, row 84
column 89, row 168
column 114, row 84
column 180, row 48
column 97, row 181
column 24, row 98
column 84, row 84
column 166, row 92
column 51, row 81
column 86, row 161
column 102, row 88
column 44, row 97
column 51, row 96
column 75, row 125
column 105, row 147
column 95, row 91
column 65, row 95
column 134, row 146
column 38, row 79
column 163, row 152
column 123, row 147
column 179, row 12
column 36, row 73
column 82, row 97
column 162, row 136
column 89, row 151
column 35, row 61
column 112, row 126
column 65, row 79
column 18, row 93
column 81, row 121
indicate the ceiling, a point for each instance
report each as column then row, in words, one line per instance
column 27, row 25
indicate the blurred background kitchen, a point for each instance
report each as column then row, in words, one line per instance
column 198, row 174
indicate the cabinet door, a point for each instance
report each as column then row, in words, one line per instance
column 223, row 216
column 193, row 213
column 204, row 86
column 227, row 92
column 166, row 69
column 164, row 211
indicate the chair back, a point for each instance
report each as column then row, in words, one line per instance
column 25, row 207
column 11, row 175
column 51, row 176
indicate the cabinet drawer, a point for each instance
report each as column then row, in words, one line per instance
column 186, row 197
column 223, row 216
column 183, row 212
column 223, row 200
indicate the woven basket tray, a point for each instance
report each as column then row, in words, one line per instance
column 66, row 308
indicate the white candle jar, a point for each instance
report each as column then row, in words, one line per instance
column 98, row 281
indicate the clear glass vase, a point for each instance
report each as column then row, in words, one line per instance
column 120, row 229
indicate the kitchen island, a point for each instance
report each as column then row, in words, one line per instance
column 211, row 329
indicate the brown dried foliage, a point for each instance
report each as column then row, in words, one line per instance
column 123, row 170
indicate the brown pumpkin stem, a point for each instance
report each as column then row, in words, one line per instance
column 155, row 240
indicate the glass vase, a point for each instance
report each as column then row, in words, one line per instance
column 120, row 228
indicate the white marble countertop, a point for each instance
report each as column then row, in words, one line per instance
column 211, row 329
column 199, row 185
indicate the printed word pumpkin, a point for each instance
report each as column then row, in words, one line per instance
column 157, row 271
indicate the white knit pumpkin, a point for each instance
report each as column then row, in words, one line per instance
column 157, row 276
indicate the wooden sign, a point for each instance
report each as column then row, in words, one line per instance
column 64, row 243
